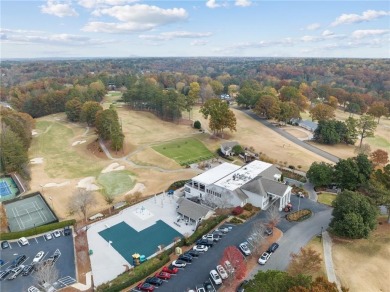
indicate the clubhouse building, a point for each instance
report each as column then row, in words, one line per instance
column 227, row 185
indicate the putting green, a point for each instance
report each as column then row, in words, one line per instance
column 116, row 182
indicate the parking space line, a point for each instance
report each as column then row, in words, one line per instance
column 36, row 239
column 212, row 284
column 18, row 243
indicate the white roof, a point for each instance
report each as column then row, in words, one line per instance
column 216, row 173
column 242, row 175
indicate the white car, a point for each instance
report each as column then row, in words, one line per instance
column 38, row 257
column 222, row 272
column 56, row 233
column 23, row 241
column 216, row 278
column 179, row 264
column 229, row 267
column 16, row 271
column 48, row 236
column 201, row 248
column 208, row 236
column 244, row 248
column 223, row 230
column 33, row 289
column 201, row 289
column 264, row 258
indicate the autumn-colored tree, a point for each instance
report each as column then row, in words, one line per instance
column 320, row 284
column 366, row 127
column 290, row 93
column 73, row 110
column 288, row 110
column 221, row 116
column 267, row 106
column 322, row 112
column 379, row 157
column 378, row 109
column 307, row 261
column 236, row 259
column 333, row 102
column 88, row 112
column 192, row 97
column 217, row 86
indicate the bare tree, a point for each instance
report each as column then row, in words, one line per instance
column 257, row 236
column 81, row 201
column 219, row 202
column 46, row 275
column 273, row 216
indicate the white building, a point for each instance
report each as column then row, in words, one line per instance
column 227, row 148
column 228, row 184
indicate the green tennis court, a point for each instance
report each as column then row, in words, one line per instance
column 127, row 241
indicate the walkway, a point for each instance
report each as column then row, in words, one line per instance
column 87, row 285
column 327, row 243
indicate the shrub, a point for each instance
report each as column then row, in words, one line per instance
column 235, row 220
column 204, row 227
column 248, row 207
column 237, row 211
column 177, row 185
column 243, row 217
column 299, row 215
column 197, row 125
column 291, row 167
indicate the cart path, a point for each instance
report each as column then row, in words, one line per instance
column 327, row 244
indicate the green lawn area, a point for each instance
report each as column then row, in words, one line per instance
column 184, row 151
column 116, row 182
column 378, row 141
column 60, row 158
column 326, row 198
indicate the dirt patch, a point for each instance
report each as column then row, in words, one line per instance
column 94, row 148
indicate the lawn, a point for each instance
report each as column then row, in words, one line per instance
column 326, row 198
column 116, row 182
column 184, row 151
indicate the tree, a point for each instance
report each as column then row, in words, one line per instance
column 306, row 262
column 328, row 132
column 13, row 153
column 353, row 215
column 287, row 111
column 320, row 174
column 88, row 112
column 273, row 216
column 290, row 93
column 236, row 259
column 217, row 86
column 379, row 157
column 322, row 112
column 19, row 123
column 81, row 201
column 267, row 106
column 247, row 97
column 257, row 236
column 221, row 116
column 352, row 133
column 378, row 109
column 197, row 125
column 366, row 127
column 46, row 274
column 73, row 110
column 237, row 149
column 333, row 102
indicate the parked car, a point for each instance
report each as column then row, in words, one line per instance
column 208, row 286
column 215, row 277
column 67, row 230
column 201, row 248
column 268, row 231
column 170, row 269
column 223, row 230
column 192, row 253
column 38, row 257
column 33, row 289
column 57, row 233
column 16, row 271
column 163, row 275
column 206, row 242
column 27, row 270
column 222, row 272
column 185, row 258
column 4, row 244
column 229, row 267
column 154, row 281
column 273, row 247
column 1, row 263
column 210, row 237
column 244, row 248
column 200, row 289
column 145, row 286
column 179, row 263
column 241, row 287
column 264, row 258
column 18, row 261
column 48, row 236
column 4, row 274
column 23, row 241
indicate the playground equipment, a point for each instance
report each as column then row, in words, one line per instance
column 138, row 259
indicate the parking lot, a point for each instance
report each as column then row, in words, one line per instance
column 65, row 263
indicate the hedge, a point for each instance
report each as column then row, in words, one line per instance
column 36, row 230
column 204, row 228
column 177, row 184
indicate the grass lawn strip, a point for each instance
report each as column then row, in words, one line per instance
column 184, row 151
column 326, row 198
column 116, row 182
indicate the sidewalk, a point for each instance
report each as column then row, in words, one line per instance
column 327, row 244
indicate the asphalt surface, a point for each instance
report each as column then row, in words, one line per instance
column 65, row 263
column 290, row 137
column 295, row 236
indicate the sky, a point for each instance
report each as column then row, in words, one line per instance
column 221, row 28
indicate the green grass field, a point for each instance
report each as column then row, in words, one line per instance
column 378, row 141
column 116, row 182
column 60, row 158
column 184, row 151
column 326, row 198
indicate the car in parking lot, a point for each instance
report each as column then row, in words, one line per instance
column 206, row 242
column 27, row 270
column 201, row 248
column 48, row 236
column 38, row 257
column 23, row 241
column 185, row 258
column 244, row 248
column 200, row 289
column 268, row 231
column 229, row 267
column 170, row 269
column 15, row 272
column 264, row 258
column 192, row 253
column 33, row 289
column 223, row 229
column 145, row 286
column 4, row 244
column 19, row 260
column 273, row 247
column 240, row 287
column 222, row 272
column 208, row 286
column 215, row 277
column 57, row 233
column 210, row 237
column 163, row 275
column 67, row 230
column 1, row 263
column 4, row 274
column 179, row 264
column 154, row 281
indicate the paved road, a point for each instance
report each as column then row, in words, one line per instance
column 293, row 139
column 296, row 235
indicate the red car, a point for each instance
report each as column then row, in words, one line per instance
column 145, row 287
column 163, row 275
column 170, row 270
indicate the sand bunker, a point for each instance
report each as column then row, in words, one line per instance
column 51, row 185
column 34, row 132
column 38, row 160
column 88, row 184
column 113, row 167
column 137, row 188
column 78, row 142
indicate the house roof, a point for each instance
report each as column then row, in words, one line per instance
column 262, row 186
column 309, row 124
column 192, row 210
column 241, row 195
column 229, row 144
column 216, row 173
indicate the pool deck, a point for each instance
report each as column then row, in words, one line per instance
column 106, row 262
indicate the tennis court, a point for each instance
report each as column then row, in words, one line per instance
column 127, row 241
column 8, row 188
column 28, row 212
